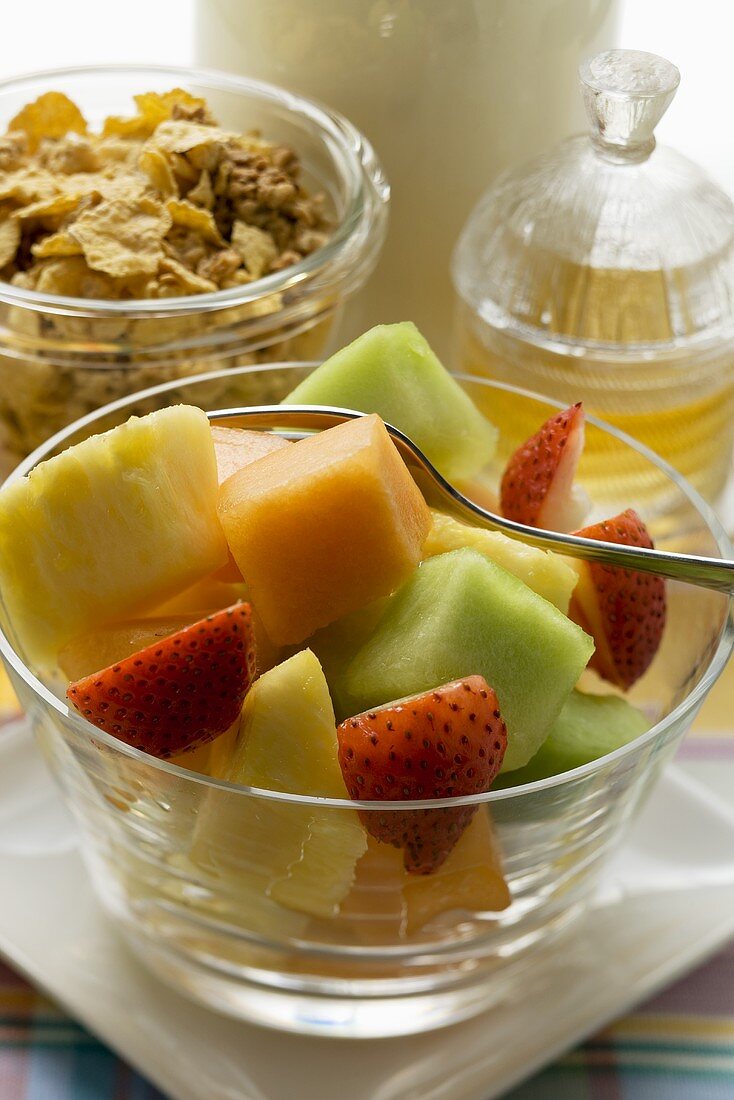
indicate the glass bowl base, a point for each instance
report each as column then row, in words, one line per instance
column 257, row 997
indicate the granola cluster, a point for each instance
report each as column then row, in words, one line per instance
column 162, row 204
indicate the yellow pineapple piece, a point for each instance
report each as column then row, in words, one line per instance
column 301, row 856
column 375, row 906
column 108, row 527
column 546, row 573
column 213, row 758
column 323, row 527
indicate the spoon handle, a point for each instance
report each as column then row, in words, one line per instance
column 713, row 573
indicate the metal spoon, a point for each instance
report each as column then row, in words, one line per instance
column 715, row 573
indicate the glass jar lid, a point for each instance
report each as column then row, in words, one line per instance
column 608, row 239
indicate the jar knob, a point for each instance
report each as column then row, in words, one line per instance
column 626, row 93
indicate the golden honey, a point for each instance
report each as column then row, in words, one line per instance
column 680, row 404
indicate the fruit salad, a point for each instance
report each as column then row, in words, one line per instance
column 295, row 616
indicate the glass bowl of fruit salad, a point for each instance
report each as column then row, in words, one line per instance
column 342, row 764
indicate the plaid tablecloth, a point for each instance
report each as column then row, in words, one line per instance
column 679, row 1046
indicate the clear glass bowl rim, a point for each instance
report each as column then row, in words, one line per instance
column 88, row 732
column 354, row 147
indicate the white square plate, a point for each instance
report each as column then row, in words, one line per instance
column 666, row 902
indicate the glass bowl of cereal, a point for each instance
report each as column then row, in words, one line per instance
column 274, row 863
column 157, row 223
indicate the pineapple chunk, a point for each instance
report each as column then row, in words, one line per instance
column 323, row 527
column 115, row 523
column 212, row 757
column 301, row 856
column 546, row 573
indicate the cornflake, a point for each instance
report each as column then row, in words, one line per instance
column 58, row 244
column 194, row 217
column 120, row 238
column 56, row 206
column 182, row 137
column 202, row 194
column 9, row 240
column 27, row 185
column 52, row 115
column 158, row 171
column 71, row 277
column 153, row 108
column 68, row 155
column 174, row 274
column 255, row 246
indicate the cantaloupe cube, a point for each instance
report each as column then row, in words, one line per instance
column 238, row 447
column 386, row 904
column 470, row 879
column 235, row 448
column 210, row 595
column 101, row 646
column 323, row 527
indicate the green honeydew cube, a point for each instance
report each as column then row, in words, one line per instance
column 588, row 727
column 461, row 614
column 392, row 371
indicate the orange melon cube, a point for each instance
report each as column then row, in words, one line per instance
column 105, row 645
column 235, row 448
column 471, row 879
column 238, row 447
column 386, row 904
column 323, row 527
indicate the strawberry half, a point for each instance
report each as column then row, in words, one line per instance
column 622, row 609
column 537, row 485
column 180, row 691
column 445, row 743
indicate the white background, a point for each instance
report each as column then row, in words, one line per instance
column 697, row 35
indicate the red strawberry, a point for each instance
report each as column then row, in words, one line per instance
column 624, row 610
column 537, row 485
column 178, row 692
column 445, row 743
